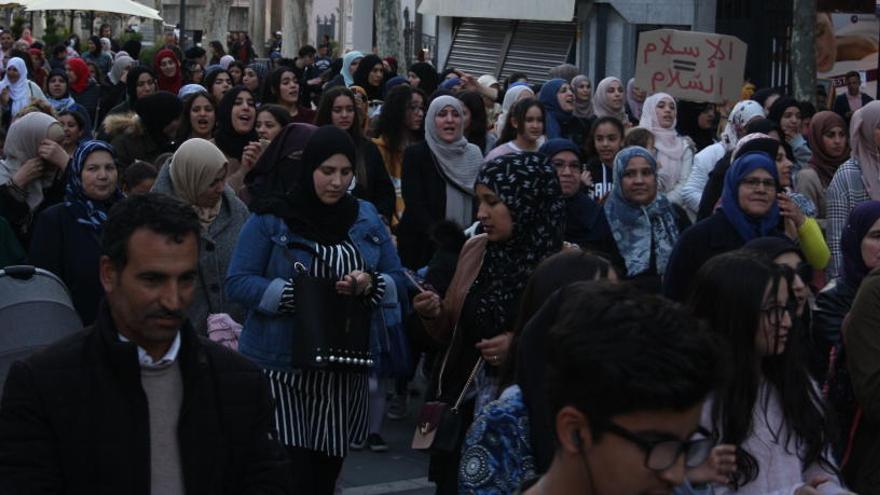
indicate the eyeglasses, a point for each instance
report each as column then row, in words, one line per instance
column 661, row 455
column 756, row 183
column 574, row 166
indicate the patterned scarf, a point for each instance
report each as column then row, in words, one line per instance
column 526, row 183
column 640, row 231
column 87, row 211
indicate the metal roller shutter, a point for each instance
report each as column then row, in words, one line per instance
column 478, row 45
column 492, row 46
column 537, row 47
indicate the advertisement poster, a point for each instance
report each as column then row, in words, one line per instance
column 847, row 42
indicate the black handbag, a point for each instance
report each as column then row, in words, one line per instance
column 332, row 330
column 438, row 426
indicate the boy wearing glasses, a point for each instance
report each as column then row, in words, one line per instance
column 626, row 378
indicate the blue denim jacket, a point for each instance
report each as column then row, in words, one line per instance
column 260, row 268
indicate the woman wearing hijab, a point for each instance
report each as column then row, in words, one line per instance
column 254, row 77
column 438, row 178
column 334, row 230
column 583, row 97
column 786, row 112
column 350, row 63
column 16, row 91
column 167, row 67
column 32, row 176
column 197, row 176
column 236, row 118
column 148, row 132
column 828, row 142
column 743, row 113
column 522, row 214
column 423, row 75
column 635, row 99
column 67, row 236
column 748, row 210
column 558, row 100
column 645, row 224
column 84, row 89
column 856, row 181
column 139, row 82
column 370, row 75
column 115, row 92
column 585, row 221
column 697, row 121
column 675, row 153
column 609, row 100
column 97, row 55
column 58, row 94
column 225, row 60
column 512, row 96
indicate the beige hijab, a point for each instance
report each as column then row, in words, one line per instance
column 22, row 143
column 195, row 166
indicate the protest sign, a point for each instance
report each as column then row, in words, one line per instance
column 691, row 65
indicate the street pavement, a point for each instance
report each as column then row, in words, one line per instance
column 400, row 471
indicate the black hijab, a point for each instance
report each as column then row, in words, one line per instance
column 306, row 214
column 156, row 111
column 428, row 78
column 362, row 75
column 131, row 82
column 277, row 170
column 230, row 142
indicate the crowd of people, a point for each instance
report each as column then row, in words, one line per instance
column 607, row 291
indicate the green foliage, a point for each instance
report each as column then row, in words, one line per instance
column 148, row 52
column 55, row 33
column 18, row 26
column 130, row 35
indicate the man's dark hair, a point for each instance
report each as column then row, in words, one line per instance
column 615, row 350
column 307, row 50
column 138, row 172
column 158, row 212
column 852, row 73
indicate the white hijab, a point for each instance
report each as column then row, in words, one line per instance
column 19, row 91
column 670, row 146
column 458, row 162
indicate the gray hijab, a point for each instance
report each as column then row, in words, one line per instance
column 458, row 162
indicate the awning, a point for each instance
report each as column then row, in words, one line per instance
column 531, row 10
column 125, row 7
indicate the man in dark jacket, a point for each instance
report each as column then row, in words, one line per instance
column 852, row 99
column 137, row 403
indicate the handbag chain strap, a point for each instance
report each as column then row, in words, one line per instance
column 470, row 379
column 467, row 384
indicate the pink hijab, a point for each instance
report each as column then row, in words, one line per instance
column 864, row 148
column 670, row 146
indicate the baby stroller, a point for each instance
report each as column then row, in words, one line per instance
column 35, row 311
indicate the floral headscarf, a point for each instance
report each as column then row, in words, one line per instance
column 637, row 228
column 87, row 211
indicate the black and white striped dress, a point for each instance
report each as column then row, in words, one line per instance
column 323, row 410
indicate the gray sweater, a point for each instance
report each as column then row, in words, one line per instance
column 215, row 250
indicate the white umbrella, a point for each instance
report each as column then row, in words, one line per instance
column 126, row 7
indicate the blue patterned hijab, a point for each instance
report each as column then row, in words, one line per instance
column 640, row 231
column 87, row 211
column 748, row 227
column 526, row 183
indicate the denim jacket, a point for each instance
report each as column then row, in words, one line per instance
column 260, row 268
